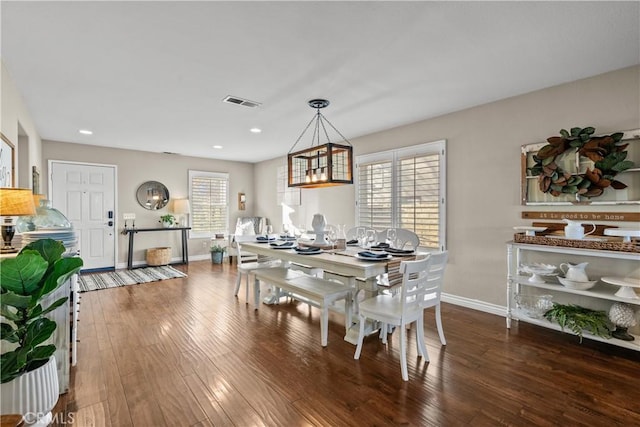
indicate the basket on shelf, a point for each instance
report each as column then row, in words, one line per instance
column 158, row 256
column 609, row 245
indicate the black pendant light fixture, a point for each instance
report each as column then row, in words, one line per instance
column 321, row 165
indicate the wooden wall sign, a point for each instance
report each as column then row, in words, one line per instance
column 583, row 216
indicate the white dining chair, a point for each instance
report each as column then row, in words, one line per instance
column 246, row 268
column 405, row 239
column 420, row 289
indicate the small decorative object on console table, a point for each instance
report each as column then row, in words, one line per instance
column 623, row 317
column 168, row 221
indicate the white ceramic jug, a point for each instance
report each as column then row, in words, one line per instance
column 575, row 272
column 575, row 230
column 318, row 223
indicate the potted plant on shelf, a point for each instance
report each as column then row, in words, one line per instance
column 579, row 319
column 168, row 221
column 217, row 252
column 27, row 365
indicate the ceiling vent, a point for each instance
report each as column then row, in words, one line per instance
column 240, row 101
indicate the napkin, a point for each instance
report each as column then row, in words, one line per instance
column 286, row 237
column 310, row 249
column 380, row 246
column 367, row 254
column 352, row 242
column 264, row 238
column 282, row 244
column 399, row 251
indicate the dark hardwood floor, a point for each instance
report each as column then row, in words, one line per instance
column 186, row 352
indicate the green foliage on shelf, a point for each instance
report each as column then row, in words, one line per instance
column 579, row 319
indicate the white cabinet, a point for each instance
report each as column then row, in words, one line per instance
column 601, row 296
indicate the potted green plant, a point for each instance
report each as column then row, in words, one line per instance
column 27, row 365
column 168, row 221
column 579, row 319
column 217, row 252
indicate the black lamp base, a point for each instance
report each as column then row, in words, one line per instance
column 8, row 231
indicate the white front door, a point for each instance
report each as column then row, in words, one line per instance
column 85, row 194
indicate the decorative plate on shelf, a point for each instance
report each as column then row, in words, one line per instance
column 626, row 286
column 627, row 234
column 529, row 231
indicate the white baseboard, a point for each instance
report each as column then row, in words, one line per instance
column 475, row 304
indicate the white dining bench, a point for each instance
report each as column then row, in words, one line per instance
column 312, row 290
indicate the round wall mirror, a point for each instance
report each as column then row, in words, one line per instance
column 152, row 195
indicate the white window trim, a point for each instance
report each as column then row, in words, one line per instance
column 395, row 154
column 195, row 173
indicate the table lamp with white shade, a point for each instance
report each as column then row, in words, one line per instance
column 14, row 202
column 183, row 208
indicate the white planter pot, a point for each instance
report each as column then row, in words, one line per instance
column 33, row 394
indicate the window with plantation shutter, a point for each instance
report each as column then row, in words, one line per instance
column 209, row 197
column 404, row 188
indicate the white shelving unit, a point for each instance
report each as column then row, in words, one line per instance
column 600, row 292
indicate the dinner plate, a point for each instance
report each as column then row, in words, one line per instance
column 366, row 258
column 283, row 247
column 391, row 252
column 310, row 253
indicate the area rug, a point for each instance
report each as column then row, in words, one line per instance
column 114, row 279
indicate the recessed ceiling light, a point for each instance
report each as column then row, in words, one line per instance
column 255, row 130
column 85, row 132
column 217, row 147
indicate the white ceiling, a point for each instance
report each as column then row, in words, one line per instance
column 151, row 75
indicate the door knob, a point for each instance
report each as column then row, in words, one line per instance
column 110, row 223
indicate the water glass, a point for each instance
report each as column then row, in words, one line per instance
column 360, row 235
column 332, row 235
column 391, row 237
column 371, row 238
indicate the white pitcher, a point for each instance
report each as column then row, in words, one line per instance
column 575, row 230
column 575, row 272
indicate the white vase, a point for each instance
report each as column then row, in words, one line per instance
column 319, row 223
column 33, row 394
column 167, row 224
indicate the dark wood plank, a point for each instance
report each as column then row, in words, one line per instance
column 187, row 352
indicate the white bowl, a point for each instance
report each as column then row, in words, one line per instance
column 572, row 284
column 538, row 268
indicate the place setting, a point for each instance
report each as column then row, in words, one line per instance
column 282, row 244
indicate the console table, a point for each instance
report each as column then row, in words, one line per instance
column 132, row 231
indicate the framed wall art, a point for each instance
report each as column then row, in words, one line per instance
column 580, row 168
column 35, row 176
column 7, row 162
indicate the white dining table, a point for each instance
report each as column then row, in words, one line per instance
column 342, row 262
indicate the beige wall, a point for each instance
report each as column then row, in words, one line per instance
column 136, row 167
column 14, row 115
column 483, row 170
